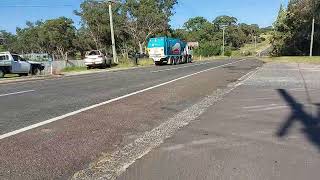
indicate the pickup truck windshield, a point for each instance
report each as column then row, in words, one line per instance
column 4, row 57
column 17, row 58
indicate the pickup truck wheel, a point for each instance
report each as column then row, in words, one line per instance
column 1, row 73
column 35, row 71
column 23, row 74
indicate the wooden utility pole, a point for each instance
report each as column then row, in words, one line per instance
column 223, row 40
column 312, row 36
column 114, row 52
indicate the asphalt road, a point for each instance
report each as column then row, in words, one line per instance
column 59, row 149
column 24, row 104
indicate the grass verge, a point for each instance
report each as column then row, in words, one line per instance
column 126, row 63
column 123, row 63
column 198, row 58
column 74, row 69
column 251, row 50
column 293, row 59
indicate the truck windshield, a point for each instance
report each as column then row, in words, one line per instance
column 4, row 57
column 15, row 57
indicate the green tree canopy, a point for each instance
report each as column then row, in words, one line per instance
column 225, row 21
column 292, row 33
column 146, row 18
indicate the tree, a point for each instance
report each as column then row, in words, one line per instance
column 225, row 21
column 95, row 19
column 235, row 37
column 96, row 22
column 28, row 38
column 7, row 41
column 83, row 41
column 292, row 33
column 199, row 29
column 146, row 18
column 195, row 24
column 209, row 35
column 58, row 35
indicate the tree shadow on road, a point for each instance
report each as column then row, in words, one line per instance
column 310, row 122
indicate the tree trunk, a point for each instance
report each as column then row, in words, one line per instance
column 140, row 47
column 144, row 46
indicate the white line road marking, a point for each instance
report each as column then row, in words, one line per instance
column 248, row 76
column 14, row 93
column 260, row 106
column 255, row 99
column 107, row 102
column 293, row 69
column 181, row 67
column 268, row 109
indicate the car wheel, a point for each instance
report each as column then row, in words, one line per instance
column 1, row 73
column 109, row 63
column 104, row 65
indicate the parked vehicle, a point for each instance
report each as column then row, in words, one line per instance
column 169, row 50
column 14, row 64
column 96, row 58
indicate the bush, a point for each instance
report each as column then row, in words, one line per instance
column 208, row 49
column 228, row 52
column 262, row 39
column 2, row 48
column 246, row 53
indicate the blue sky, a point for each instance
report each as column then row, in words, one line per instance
column 14, row 13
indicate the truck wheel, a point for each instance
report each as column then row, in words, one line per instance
column 1, row 73
column 172, row 61
column 35, row 71
column 23, row 74
column 175, row 61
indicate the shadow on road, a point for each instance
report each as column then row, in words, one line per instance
column 310, row 123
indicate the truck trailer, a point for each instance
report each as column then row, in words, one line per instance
column 169, row 50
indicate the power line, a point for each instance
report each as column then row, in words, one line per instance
column 34, row 6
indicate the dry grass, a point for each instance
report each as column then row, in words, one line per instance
column 293, row 59
column 252, row 49
column 74, row 69
column 198, row 58
column 126, row 63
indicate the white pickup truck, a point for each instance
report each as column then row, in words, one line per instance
column 15, row 64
